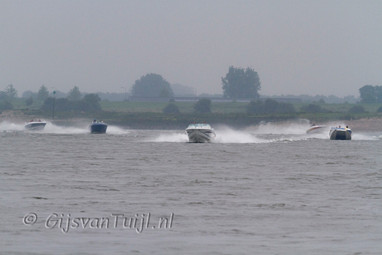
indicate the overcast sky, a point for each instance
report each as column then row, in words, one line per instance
column 297, row 47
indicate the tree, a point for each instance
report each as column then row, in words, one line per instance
column 312, row 108
column 378, row 94
column 171, row 108
column 28, row 93
column 10, row 91
column 269, row 106
column 357, row 109
column 3, row 95
column 241, row 83
column 203, row 106
column 91, row 103
column 43, row 93
column 74, row 94
column 5, row 105
column 367, row 94
column 255, row 107
column 59, row 104
column 183, row 91
column 29, row 101
column 152, row 85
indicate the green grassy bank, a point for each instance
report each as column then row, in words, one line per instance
column 149, row 114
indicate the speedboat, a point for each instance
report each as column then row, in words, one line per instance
column 339, row 133
column 314, row 129
column 200, row 133
column 98, row 127
column 35, row 125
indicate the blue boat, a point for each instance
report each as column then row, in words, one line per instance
column 98, row 127
column 339, row 133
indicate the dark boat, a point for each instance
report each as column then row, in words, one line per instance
column 339, row 133
column 98, row 127
column 35, row 125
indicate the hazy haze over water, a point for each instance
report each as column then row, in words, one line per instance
column 312, row 47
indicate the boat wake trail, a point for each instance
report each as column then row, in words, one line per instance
column 6, row 126
column 290, row 131
column 83, row 128
column 366, row 137
column 114, row 130
column 267, row 133
column 51, row 128
column 223, row 135
column 171, row 138
column 263, row 133
column 228, row 135
column 282, row 128
column 294, row 131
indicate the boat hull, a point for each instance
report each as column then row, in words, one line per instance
column 35, row 126
column 200, row 135
column 314, row 129
column 98, row 128
column 340, row 134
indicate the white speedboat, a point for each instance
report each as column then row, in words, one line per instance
column 200, row 133
column 35, row 125
column 339, row 133
column 314, row 129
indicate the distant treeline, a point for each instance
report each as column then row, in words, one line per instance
column 268, row 106
column 75, row 101
column 117, row 97
column 371, row 94
column 171, row 116
column 89, row 103
column 237, row 84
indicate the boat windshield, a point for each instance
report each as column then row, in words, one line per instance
column 199, row 126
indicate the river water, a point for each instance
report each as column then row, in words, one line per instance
column 269, row 189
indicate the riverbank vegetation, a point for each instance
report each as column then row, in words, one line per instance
column 176, row 114
column 241, row 104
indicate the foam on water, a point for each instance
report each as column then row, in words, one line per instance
column 114, row 130
column 364, row 137
column 297, row 130
column 282, row 132
column 82, row 129
column 229, row 135
column 282, row 128
column 263, row 133
column 171, row 138
column 50, row 128
column 223, row 135
column 6, row 126
column 267, row 132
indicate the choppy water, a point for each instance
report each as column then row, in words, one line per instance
column 270, row 189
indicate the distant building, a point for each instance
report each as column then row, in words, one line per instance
column 183, row 91
column 284, row 99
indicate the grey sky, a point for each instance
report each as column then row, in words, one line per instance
column 297, row 47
